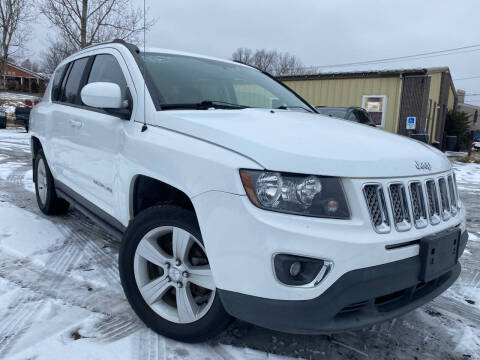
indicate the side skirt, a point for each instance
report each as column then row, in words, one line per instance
column 106, row 221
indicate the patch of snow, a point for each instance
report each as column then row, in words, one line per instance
column 24, row 234
column 455, row 153
column 8, row 109
column 7, row 169
column 467, row 175
column 468, row 341
column 5, row 95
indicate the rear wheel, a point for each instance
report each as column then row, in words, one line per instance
column 166, row 275
column 47, row 199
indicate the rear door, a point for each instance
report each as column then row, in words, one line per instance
column 65, row 119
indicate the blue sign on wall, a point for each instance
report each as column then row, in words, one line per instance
column 411, row 122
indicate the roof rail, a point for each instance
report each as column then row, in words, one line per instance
column 131, row 47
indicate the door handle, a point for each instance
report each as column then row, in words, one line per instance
column 74, row 123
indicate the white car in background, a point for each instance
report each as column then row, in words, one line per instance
column 230, row 206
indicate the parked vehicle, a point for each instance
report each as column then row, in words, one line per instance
column 3, row 120
column 229, row 206
column 22, row 113
column 476, row 145
column 22, row 116
column 356, row 114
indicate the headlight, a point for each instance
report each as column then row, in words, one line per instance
column 309, row 195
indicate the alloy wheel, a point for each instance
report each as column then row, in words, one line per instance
column 42, row 181
column 173, row 274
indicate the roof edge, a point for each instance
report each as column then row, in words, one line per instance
column 366, row 74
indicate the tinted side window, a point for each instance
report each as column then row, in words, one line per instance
column 105, row 68
column 57, row 82
column 71, row 94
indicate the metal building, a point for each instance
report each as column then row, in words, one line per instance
column 390, row 96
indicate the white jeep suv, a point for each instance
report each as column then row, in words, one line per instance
column 234, row 198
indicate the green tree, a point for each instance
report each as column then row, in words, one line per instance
column 458, row 125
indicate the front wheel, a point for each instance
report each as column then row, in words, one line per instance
column 166, row 275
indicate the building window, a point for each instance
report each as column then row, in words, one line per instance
column 376, row 105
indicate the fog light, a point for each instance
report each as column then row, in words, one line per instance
column 295, row 268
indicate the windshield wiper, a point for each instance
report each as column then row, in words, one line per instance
column 204, row 105
column 287, row 107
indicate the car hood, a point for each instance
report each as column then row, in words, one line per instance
column 292, row 141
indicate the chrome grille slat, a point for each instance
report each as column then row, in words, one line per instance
column 419, row 211
column 400, row 210
column 433, row 203
column 459, row 203
column 444, row 201
column 453, row 195
column 376, row 204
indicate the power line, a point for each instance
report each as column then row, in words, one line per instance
column 452, row 51
column 467, row 78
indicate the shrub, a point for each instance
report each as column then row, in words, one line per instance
column 458, row 125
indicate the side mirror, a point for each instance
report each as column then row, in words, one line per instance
column 103, row 95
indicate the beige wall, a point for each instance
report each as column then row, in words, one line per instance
column 434, row 96
column 451, row 98
column 349, row 92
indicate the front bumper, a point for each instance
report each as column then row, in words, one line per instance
column 358, row 299
column 242, row 240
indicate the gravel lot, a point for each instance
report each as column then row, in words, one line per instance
column 60, row 295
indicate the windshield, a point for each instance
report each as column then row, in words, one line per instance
column 184, row 82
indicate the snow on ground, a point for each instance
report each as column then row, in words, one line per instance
column 5, row 95
column 10, row 100
column 61, row 298
column 468, row 177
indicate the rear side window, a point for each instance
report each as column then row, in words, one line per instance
column 106, row 68
column 71, row 94
column 57, row 82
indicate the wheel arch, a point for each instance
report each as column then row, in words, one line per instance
column 146, row 191
column 35, row 147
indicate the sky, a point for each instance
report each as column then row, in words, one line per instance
column 320, row 32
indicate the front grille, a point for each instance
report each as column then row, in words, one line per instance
column 453, row 195
column 377, row 207
column 417, row 202
column 442, row 185
column 433, row 204
column 401, row 214
column 419, row 211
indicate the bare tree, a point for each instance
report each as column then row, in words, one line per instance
column 265, row 60
column 14, row 17
column 287, row 64
column 56, row 51
column 85, row 22
column 243, row 55
column 271, row 61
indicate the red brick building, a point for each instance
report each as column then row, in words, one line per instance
column 21, row 79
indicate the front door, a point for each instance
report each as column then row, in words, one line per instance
column 101, row 136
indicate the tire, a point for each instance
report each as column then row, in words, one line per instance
column 47, row 199
column 154, row 229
